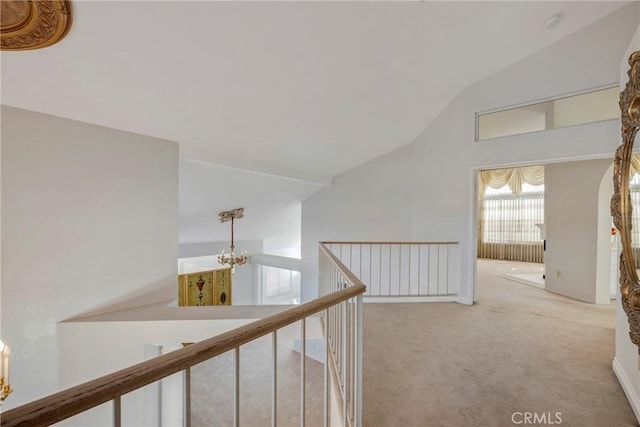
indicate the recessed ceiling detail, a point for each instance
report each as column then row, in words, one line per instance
column 33, row 24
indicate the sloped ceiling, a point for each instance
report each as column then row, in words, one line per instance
column 271, row 203
column 298, row 89
column 270, row 100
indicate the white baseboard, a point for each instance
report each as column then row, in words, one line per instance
column 627, row 387
column 525, row 280
column 440, row 298
column 464, row 300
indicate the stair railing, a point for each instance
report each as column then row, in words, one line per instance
column 341, row 312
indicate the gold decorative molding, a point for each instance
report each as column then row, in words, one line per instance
column 621, row 200
column 33, row 24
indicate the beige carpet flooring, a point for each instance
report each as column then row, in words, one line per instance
column 519, row 349
column 212, row 388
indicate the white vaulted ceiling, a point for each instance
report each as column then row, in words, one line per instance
column 301, row 90
column 307, row 89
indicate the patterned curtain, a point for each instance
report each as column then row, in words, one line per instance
column 511, row 204
column 513, row 177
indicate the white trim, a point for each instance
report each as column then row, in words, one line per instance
column 464, row 300
column 524, row 281
column 475, row 217
column 547, row 161
column 286, row 263
column 627, row 387
column 498, row 138
column 435, row 298
column 550, row 98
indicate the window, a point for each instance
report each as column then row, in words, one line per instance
column 279, row 286
column 511, row 206
column 512, row 219
column 573, row 110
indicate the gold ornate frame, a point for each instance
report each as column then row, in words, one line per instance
column 33, row 24
column 621, row 200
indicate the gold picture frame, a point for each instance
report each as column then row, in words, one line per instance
column 621, row 207
column 205, row 288
column 33, row 24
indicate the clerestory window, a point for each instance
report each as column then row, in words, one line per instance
column 592, row 106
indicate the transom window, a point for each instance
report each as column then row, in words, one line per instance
column 572, row 110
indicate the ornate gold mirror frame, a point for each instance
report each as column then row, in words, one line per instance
column 621, row 201
column 32, row 24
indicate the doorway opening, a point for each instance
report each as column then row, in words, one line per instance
column 553, row 233
column 510, row 223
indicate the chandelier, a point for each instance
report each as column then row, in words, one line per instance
column 232, row 259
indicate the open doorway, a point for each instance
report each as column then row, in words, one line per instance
column 510, row 224
column 571, row 254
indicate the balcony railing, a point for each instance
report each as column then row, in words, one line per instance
column 341, row 309
column 403, row 271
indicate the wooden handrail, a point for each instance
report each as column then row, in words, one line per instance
column 341, row 267
column 389, row 243
column 64, row 404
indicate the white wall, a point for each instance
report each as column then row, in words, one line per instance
column 626, row 362
column 366, row 203
column 272, row 206
column 99, row 348
column 89, row 217
column 425, row 191
column 572, row 191
column 606, row 258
